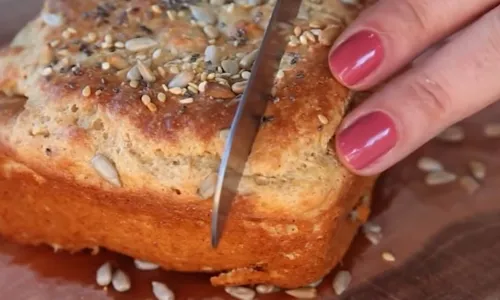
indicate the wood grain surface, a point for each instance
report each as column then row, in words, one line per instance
column 446, row 242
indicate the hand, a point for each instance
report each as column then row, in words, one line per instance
column 448, row 84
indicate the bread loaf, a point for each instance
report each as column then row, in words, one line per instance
column 113, row 117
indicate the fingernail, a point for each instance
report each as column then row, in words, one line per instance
column 357, row 57
column 369, row 138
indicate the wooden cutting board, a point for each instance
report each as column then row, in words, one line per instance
column 446, row 242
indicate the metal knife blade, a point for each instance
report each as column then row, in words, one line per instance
column 251, row 108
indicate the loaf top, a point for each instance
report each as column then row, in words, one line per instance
column 137, row 96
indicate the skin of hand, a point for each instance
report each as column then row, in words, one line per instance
column 457, row 73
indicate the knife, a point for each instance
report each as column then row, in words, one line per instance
column 250, row 111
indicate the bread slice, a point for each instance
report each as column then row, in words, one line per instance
column 112, row 124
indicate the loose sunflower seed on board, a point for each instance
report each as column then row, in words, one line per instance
column 469, row 184
column 452, row 134
column 341, row 282
column 145, row 265
column 121, row 281
column 303, row 293
column 266, row 289
column 428, row 164
column 104, row 274
column 440, row 177
column 162, row 291
column 241, row 293
column 478, row 169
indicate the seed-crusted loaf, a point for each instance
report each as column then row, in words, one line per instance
column 112, row 122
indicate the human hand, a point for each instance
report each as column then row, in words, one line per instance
column 447, row 84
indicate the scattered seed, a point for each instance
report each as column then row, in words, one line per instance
column 297, row 31
column 161, row 291
column 230, row 66
column 171, row 15
column 452, row 134
column 322, row 119
column 239, row 87
column 161, row 97
column 266, row 289
column 118, row 62
column 106, row 169
column 303, row 293
column 120, row 281
column 212, row 55
column 104, row 274
column 341, row 282
column 207, row 186
column 310, row 36
column 174, row 70
column 86, row 91
column 156, row 54
column 373, row 237
column 316, row 283
column 303, row 40
column 134, row 74
column 280, row 74
column 492, row 130
column 294, row 41
column 240, row 292
column 47, row 71
column 145, row 72
column 248, row 60
column 156, row 9
column 440, row 177
column 140, row 44
column 246, row 75
column 176, row 90
column 186, row 101
column 202, row 86
column 161, row 71
column 428, row 164
column 372, row 227
column 134, row 84
column 469, row 184
column 119, row 45
column 181, row 80
column 145, row 265
column 211, row 31
column 478, row 169
column 105, row 66
column 388, row 256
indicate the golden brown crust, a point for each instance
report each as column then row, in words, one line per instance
column 63, row 106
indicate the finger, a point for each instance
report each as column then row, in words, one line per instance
column 392, row 33
column 458, row 80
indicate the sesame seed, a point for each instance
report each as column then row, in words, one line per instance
column 134, row 83
column 310, row 36
column 322, row 119
column 303, row 40
column 119, row 45
column 91, row 37
column 174, row 70
column 171, row 15
column 47, row 71
column 186, row 101
column 108, row 38
column 388, row 256
column 105, row 65
column 145, row 72
column 211, row 76
column 294, row 41
column 297, row 31
column 193, row 89
column 156, row 9
column 86, row 91
column 98, row 92
column 161, row 97
column 164, row 87
column 161, row 71
column 176, row 90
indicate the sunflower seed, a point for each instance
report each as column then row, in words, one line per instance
column 372, row 227
column 140, row 44
column 247, row 61
column 145, row 72
column 161, row 291
column 145, row 265
column 104, row 274
column 120, row 281
column 246, row 75
column 388, row 256
column 161, row 97
column 452, row 134
column 266, row 289
column 492, row 130
column 440, row 177
column 106, row 169
column 373, row 237
column 134, row 74
column 316, row 283
column 469, row 184
column 478, row 169
column 239, row 87
column 303, row 293
column 207, row 186
column 230, row 66
column 322, row 119
column 86, row 91
column 212, row 55
column 211, row 31
column 240, row 292
column 181, row 80
column 341, row 282
column 428, row 164
column 203, row 14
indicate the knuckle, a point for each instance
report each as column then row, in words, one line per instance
column 430, row 95
column 414, row 13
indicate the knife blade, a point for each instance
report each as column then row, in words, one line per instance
column 250, row 110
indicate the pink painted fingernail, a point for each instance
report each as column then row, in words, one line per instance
column 369, row 138
column 357, row 57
